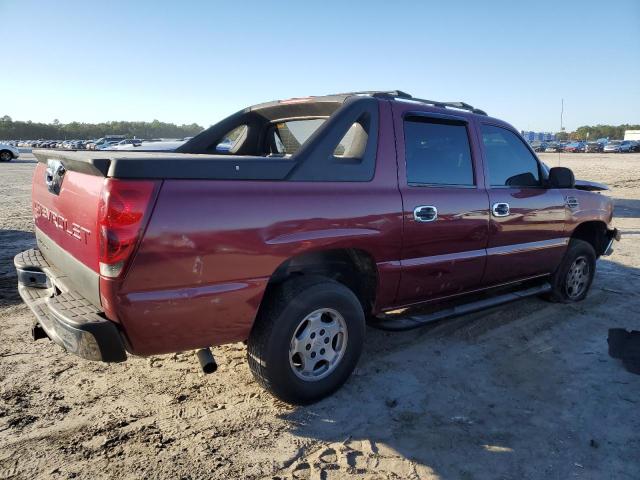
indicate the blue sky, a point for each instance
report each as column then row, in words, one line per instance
column 196, row 61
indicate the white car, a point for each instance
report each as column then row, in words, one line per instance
column 164, row 146
column 106, row 145
column 618, row 146
column 105, row 142
column 128, row 144
column 8, row 152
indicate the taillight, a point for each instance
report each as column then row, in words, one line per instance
column 121, row 215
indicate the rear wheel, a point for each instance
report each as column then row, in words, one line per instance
column 572, row 281
column 6, row 156
column 307, row 339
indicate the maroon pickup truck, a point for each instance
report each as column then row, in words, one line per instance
column 289, row 224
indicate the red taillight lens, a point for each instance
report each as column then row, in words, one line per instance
column 122, row 209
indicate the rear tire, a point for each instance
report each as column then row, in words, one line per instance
column 307, row 339
column 572, row 280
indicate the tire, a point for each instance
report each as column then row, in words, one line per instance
column 6, row 156
column 290, row 328
column 572, row 280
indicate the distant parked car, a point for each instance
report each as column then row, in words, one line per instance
column 106, row 145
column 8, row 152
column 74, row 145
column 161, row 146
column 101, row 143
column 618, row 146
column 127, row 144
column 554, row 147
column 539, row 146
column 594, row 147
column 635, row 145
column 574, row 147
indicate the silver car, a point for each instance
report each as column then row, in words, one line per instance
column 618, row 146
column 8, row 152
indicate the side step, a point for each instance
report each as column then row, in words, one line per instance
column 409, row 322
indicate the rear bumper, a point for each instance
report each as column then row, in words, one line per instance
column 69, row 319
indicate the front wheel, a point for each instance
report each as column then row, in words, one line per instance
column 572, row 280
column 307, row 339
column 6, row 156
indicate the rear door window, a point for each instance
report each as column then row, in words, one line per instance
column 509, row 162
column 437, row 152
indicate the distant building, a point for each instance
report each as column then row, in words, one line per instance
column 530, row 136
column 632, row 134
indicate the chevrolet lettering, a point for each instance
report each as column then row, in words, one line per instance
column 76, row 231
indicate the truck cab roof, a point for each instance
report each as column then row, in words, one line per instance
column 257, row 118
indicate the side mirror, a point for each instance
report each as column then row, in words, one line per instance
column 561, row 177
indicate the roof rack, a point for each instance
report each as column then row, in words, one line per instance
column 399, row 94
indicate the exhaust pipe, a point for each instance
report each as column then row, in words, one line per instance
column 37, row 332
column 207, row 362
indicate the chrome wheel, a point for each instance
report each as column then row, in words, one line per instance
column 318, row 344
column 577, row 277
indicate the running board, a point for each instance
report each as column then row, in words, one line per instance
column 410, row 322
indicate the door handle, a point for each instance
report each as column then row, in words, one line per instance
column 425, row 213
column 500, row 209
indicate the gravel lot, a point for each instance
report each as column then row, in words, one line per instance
column 521, row 391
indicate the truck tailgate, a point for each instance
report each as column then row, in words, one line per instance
column 68, row 216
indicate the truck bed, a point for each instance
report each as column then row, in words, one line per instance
column 169, row 165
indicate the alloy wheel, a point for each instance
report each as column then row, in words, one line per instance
column 577, row 277
column 318, row 344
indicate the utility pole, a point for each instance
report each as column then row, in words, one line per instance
column 561, row 123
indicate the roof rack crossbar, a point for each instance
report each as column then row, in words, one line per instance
column 377, row 93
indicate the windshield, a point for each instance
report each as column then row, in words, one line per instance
column 615, row 142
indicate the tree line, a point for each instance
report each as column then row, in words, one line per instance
column 20, row 130
column 586, row 132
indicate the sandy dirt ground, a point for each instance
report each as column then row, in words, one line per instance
column 523, row 391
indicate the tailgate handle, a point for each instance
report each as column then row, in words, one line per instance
column 53, row 176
